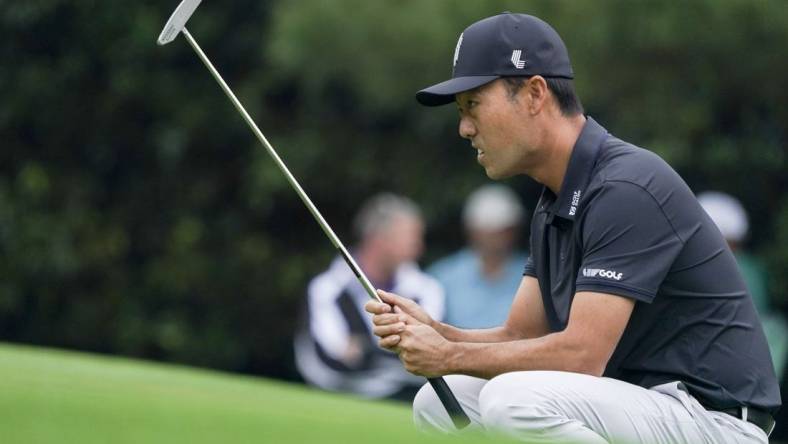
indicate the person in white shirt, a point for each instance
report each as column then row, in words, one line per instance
column 336, row 349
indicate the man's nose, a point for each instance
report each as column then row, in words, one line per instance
column 467, row 129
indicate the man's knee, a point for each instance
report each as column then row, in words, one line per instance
column 429, row 412
column 518, row 399
column 424, row 405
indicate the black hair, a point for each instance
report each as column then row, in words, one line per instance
column 562, row 89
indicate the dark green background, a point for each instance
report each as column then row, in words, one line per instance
column 139, row 216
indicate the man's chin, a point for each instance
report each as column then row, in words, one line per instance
column 496, row 175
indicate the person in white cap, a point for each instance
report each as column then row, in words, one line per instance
column 731, row 218
column 480, row 280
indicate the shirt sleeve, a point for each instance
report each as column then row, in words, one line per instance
column 628, row 243
column 530, row 268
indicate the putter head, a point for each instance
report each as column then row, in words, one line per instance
column 177, row 21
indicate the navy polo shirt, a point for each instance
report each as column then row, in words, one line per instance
column 626, row 224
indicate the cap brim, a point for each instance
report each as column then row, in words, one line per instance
column 444, row 92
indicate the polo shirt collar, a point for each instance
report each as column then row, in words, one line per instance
column 581, row 165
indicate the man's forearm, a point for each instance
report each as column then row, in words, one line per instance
column 486, row 335
column 551, row 352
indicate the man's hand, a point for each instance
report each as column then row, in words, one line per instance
column 390, row 317
column 354, row 352
column 423, row 351
column 406, row 329
column 400, row 305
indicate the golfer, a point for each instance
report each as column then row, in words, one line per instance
column 632, row 323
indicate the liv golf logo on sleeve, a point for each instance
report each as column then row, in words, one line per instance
column 594, row 272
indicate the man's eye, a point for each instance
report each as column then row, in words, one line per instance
column 469, row 104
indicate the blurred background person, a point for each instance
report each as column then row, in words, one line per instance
column 336, row 349
column 481, row 280
column 730, row 216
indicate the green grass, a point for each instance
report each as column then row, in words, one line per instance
column 54, row 396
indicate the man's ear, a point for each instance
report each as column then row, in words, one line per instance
column 537, row 94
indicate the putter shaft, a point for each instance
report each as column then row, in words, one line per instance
column 290, row 178
column 442, row 389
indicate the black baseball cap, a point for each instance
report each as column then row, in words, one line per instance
column 503, row 45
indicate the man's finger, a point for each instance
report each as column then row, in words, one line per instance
column 375, row 307
column 386, row 330
column 408, row 319
column 392, row 298
column 387, row 319
column 389, row 342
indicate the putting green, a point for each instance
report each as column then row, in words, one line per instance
column 54, row 396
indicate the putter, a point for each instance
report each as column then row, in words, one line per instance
column 177, row 25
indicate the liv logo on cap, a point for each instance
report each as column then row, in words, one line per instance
column 502, row 45
column 518, row 63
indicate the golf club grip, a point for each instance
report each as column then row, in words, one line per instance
column 458, row 416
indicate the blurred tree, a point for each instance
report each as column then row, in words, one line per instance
column 139, row 216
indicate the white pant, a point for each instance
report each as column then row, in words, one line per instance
column 561, row 407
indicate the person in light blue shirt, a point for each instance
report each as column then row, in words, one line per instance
column 481, row 280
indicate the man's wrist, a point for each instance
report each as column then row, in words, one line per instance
column 440, row 327
column 452, row 358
